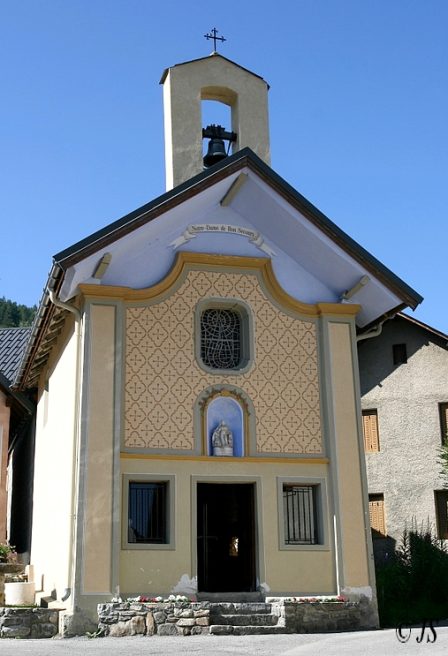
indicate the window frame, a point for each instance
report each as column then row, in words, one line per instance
column 443, row 415
column 320, row 511
column 169, row 509
column 376, row 534
column 247, row 334
column 399, row 354
column 440, row 521
column 371, row 412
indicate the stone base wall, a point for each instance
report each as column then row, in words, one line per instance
column 28, row 622
column 326, row 617
column 282, row 616
column 164, row 618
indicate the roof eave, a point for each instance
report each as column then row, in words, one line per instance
column 41, row 322
column 424, row 326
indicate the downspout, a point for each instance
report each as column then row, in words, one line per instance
column 375, row 331
column 78, row 319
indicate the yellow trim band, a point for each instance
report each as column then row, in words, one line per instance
column 186, row 261
column 252, row 459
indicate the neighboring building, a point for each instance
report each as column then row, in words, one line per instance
column 16, row 445
column 404, row 388
column 198, row 426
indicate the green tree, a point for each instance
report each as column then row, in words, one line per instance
column 14, row 315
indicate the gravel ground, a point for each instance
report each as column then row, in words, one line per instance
column 363, row 643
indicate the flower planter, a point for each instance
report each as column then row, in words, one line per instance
column 7, row 568
column 19, row 593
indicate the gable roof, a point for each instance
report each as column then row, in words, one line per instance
column 243, row 158
column 213, row 54
column 211, row 184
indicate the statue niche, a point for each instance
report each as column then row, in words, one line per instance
column 224, row 426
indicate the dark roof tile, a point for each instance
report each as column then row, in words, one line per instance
column 12, row 346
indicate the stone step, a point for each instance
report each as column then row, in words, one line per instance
column 227, row 629
column 232, row 597
column 227, row 608
column 245, row 619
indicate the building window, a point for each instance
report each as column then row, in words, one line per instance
column 223, row 340
column 148, row 512
column 441, row 500
column 370, row 431
column 443, row 411
column 299, row 512
column 376, row 513
column 399, row 353
column 303, row 514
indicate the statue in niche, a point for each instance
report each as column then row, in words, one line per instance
column 222, row 440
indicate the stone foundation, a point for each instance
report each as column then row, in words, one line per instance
column 28, row 622
column 326, row 617
column 146, row 619
column 277, row 616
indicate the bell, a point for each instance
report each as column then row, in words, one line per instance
column 215, row 152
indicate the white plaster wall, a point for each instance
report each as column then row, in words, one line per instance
column 52, row 512
column 406, row 397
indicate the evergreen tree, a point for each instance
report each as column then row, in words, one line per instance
column 15, row 315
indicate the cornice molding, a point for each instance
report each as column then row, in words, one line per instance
column 186, row 261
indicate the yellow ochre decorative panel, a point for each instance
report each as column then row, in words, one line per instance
column 163, row 378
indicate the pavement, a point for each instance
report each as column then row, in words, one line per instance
column 361, row 643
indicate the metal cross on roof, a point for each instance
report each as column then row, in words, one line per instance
column 215, row 38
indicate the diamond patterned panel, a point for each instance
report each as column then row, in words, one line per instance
column 163, row 379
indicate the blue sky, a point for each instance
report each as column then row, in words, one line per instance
column 358, row 116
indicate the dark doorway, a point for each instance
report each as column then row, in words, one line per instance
column 226, row 537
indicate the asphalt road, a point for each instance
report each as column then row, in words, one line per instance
column 363, row 643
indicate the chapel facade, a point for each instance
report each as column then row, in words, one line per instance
column 197, row 378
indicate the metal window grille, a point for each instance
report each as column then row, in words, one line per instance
column 147, row 513
column 299, row 505
column 221, row 338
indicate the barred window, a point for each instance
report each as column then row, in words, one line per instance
column 299, row 512
column 221, row 338
column 148, row 513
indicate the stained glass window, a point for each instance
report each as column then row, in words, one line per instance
column 221, row 338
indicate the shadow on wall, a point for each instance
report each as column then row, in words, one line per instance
column 383, row 548
column 376, row 355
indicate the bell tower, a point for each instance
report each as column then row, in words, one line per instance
column 216, row 78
